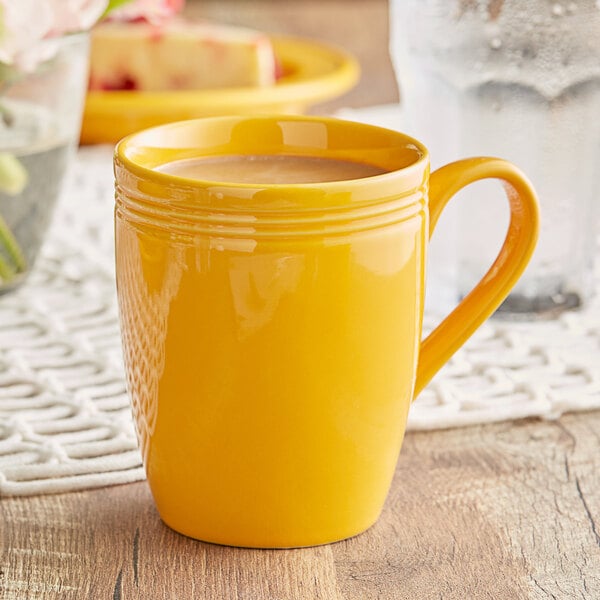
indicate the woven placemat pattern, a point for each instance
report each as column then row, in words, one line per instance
column 65, row 422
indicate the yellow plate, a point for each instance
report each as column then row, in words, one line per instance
column 312, row 72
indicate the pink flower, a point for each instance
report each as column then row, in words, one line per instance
column 27, row 25
column 153, row 11
column 76, row 15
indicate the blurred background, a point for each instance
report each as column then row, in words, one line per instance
column 363, row 31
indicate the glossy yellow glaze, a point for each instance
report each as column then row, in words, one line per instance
column 272, row 333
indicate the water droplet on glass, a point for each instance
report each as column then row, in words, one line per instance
column 528, row 53
column 495, row 43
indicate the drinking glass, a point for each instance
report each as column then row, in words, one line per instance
column 519, row 80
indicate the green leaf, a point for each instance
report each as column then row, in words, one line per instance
column 13, row 175
column 9, row 248
column 114, row 4
column 6, row 271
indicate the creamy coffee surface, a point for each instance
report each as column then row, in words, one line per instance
column 269, row 169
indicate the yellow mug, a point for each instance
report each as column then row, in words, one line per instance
column 272, row 333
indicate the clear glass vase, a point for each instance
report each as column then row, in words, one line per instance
column 40, row 120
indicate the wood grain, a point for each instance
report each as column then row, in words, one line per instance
column 501, row 511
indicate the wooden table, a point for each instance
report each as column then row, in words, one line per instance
column 508, row 511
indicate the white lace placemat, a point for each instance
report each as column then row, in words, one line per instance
column 64, row 414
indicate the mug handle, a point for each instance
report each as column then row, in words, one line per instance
column 494, row 287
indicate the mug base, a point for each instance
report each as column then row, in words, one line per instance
column 294, row 543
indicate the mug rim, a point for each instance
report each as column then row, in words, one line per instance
column 140, row 169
